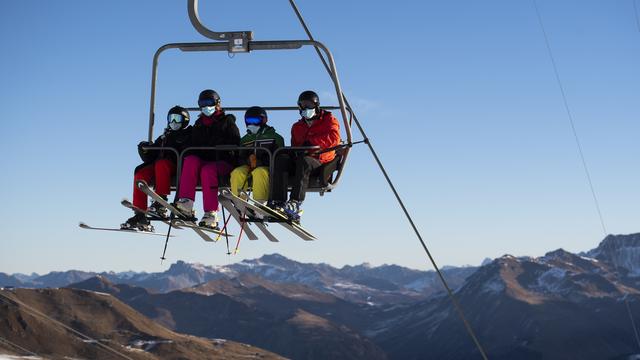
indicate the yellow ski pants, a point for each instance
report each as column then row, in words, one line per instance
column 259, row 180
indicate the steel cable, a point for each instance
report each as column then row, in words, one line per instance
column 570, row 117
column 456, row 305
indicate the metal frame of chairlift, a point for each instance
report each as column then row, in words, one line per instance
column 241, row 42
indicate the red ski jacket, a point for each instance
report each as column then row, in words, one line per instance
column 323, row 132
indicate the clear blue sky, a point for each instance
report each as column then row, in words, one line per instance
column 459, row 98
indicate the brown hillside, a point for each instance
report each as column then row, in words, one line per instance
column 105, row 319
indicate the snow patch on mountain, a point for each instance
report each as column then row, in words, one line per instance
column 551, row 279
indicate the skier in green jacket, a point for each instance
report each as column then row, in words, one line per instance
column 259, row 134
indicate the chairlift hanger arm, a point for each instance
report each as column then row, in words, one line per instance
column 192, row 8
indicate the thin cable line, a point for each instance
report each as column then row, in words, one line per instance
column 635, row 12
column 33, row 311
column 18, row 346
column 570, row 116
column 456, row 305
column 633, row 323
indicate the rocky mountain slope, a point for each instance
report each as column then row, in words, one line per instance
column 291, row 320
column 103, row 328
column 558, row 306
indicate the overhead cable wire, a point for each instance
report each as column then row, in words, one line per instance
column 582, row 157
column 633, row 323
column 635, row 12
column 33, row 311
column 18, row 346
column 453, row 299
column 570, row 117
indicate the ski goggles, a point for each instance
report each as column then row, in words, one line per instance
column 176, row 118
column 206, row 102
column 306, row 104
column 253, row 120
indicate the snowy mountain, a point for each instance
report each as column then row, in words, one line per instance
column 620, row 251
column 362, row 283
column 558, row 306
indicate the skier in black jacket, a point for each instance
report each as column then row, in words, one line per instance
column 213, row 128
column 159, row 166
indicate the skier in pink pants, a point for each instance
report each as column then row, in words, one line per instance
column 212, row 128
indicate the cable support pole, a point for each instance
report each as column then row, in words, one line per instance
column 571, row 121
column 456, row 305
column 33, row 311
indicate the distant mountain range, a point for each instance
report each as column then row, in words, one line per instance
column 557, row 306
column 363, row 283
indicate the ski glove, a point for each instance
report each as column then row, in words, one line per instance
column 144, row 155
column 253, row 161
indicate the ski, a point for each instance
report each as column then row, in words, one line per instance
column 237, row 216
column 85, row 226
column 201, row 231
column 151, row 216
column 236, row 208
column 267, row 213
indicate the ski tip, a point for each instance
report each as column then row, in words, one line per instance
column 83, row 225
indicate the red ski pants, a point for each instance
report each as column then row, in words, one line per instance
column 193, row 168
column 158, row 173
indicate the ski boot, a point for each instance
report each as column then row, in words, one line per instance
column 185, row 206
column 276, row 205
column 210, row 220
column 137, row 222
column 156, row 209
column 293, row 210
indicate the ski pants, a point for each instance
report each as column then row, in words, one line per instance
column 302, row 167
column 194, row 169
column 259, row 180
column 158, row 173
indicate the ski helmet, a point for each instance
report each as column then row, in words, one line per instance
column 178, row 114
column 308, row 99
column 208, row 98
column 253, row 113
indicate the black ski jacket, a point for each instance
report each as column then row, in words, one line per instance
column 177, row 139
column 223, row 131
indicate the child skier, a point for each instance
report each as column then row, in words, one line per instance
column 158, row 167
column 256, row 162
column 212, row 128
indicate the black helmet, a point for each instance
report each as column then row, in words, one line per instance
column 255, row 112
column 308, row 99
column 208, row 98
column 178, row 110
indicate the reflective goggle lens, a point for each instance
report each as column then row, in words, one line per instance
column 307, row 105
column 253, row 120
column 206, row 102
column 177, row 118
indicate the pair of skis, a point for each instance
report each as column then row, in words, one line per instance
column 253, row 208
column 181, row 220
column 177, row 223
column 244, row 211
column 151, row 216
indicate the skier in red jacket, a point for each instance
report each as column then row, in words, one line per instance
column 317, row 127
